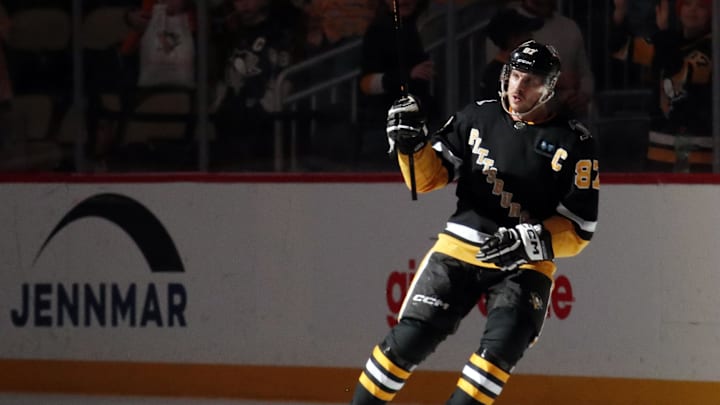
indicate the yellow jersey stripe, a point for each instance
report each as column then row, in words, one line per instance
column 565, row 241
column 430, row 174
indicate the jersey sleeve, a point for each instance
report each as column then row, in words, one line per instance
column 573, row 225
column 430, row 174
column 438, row 163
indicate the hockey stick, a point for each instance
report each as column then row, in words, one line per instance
column 397, row 23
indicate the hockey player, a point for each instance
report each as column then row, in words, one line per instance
column 527, row 193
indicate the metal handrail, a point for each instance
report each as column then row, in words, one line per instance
column 322, row 86
column 283, row 100
column 309, row 63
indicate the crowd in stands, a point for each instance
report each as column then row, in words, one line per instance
column 141, row 69
column 576, row 84
column 679, row 60
column 5, row 89
column 386, row 71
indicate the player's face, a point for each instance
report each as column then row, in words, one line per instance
column 524, row 90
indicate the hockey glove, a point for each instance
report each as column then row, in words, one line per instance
column 508, row 248
column 406, row 127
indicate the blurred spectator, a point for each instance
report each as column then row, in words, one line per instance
column 640, row 17
column 125, row 67
column 257, row 39
column 105, row 73
column 614, row 73
column 507, row 30
column 39, row 62
column 139, row 20
column 390, row 59
column 576, row 84
column 332, row 22
column 681, row 62
column 41, row 67
column 5, row 86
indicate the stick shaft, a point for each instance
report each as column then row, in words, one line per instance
column 413, row 183
column 397, row 21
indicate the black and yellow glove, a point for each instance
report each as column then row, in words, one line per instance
column 406, row 126
column 509, row 248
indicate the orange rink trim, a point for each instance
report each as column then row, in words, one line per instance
column 321, row 384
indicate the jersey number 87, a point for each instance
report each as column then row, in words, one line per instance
column 586, row 174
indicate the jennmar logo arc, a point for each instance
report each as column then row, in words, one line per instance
column 134, row 303
column 138, row 222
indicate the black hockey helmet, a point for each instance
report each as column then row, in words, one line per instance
column 537, row 58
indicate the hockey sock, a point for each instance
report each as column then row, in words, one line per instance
column 381, row 379
column 481, row 382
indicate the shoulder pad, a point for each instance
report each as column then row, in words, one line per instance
column 580, row 129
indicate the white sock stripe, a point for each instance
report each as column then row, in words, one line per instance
column 481, row 380
column 382, row 378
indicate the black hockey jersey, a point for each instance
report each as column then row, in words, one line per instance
column 509, row 172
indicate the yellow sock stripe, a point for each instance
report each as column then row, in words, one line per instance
column 496, row 371
column 374, row 389
column 388, row 365
column 474, row 392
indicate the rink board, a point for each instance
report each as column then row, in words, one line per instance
column 278, row 291
column 327, row 385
